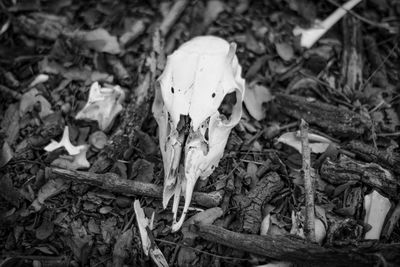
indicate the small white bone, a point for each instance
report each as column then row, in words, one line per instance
column 310, row 36
column 145, row 225
column 66, row 143
column 103, row 105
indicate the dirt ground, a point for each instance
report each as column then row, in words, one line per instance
column 309, row 176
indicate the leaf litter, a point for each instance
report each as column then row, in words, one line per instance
column 55, row 54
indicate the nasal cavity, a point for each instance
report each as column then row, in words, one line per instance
column 227, row 104
column 184, row 124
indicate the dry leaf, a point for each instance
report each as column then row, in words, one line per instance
column 103, row 105
column 66, row 143
column 205, row 217
column 51, row 188
column 98, row 140
column 6, row 154
column 99, row 40
column 214, row 7
column 10, row 124
column 30, row 98
column 254, row 97
column 318, row 144
column 285, row 51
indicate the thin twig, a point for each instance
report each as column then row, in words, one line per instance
column 379, row 67
column 6, row 90
column 201, row 251
column 361, row 18
column 309, row 227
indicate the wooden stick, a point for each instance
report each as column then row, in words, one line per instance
column 298, row 250
column 346, row 170
column 309, row 226
column 338, row 121
column 114, row 183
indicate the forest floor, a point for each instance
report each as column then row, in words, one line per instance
column 309, row 175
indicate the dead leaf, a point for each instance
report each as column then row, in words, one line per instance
column 99, row 40
column 30, row 98
column 44, row 230
column 213, row 9
column 6, row 154
column 8, row 191
column 285, row 51
column 10, row 124
column 254, row 97
column 51, row 188
column 318, row 144
column 122, row 247
column 205, row 217
column 142, row 170
column 42, row 25
column 103, row 105
column 98, row 140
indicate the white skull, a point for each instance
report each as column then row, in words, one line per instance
column 192, row 131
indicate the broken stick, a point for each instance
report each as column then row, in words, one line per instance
column 112, row 182
column 293, row 249
column 334, row 120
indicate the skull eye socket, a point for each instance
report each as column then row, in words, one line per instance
column 227, row 104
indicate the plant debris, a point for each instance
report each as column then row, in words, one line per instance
column 83, row 160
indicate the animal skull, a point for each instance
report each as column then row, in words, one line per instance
column 198, row 79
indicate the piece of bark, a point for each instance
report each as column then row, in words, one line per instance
column 347, row 170
column 113, row 183
column 251, row 204
column 334, row 120
column 385, row 158
column 352, row 63
column 298, row 250
column 391, row 222
column 342, row 231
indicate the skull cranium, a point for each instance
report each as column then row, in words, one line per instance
column 193, row 131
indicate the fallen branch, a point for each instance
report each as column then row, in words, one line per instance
column 347, row 170
column 298, row 250
column 334, row 120
column 112, row 182
column 309, row 226
column 385, row 158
